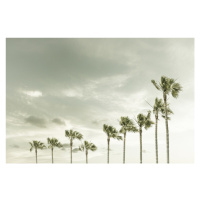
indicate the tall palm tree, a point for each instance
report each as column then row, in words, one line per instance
column 157, row 109
column 167, row 86
column 72, row 135
column 53, row 142
column 36, row 145
column 143, row 121
column 111, row 133
column 126, row 125
column 86, row 146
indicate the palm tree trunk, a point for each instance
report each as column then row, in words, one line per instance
column 86, row 157
column 124, row 148
column 166, row 124
column 140, row 145
column 36, row 155
column 71, row 150
column 52, row 154
column 156, row 136
column 108, row 150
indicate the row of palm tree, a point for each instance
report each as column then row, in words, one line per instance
column 53, row 142
column 166, row 85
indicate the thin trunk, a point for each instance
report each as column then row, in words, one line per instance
column 36, row 155
column 108, row 150
column 156, row 136
column 86, row 157
column 166, row 124
column 71, row 149
column 52, row 154
column 124, row 149
column 140, row 145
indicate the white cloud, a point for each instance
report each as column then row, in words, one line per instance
column 75, row 92
column 33, row 93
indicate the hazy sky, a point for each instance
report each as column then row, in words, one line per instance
column 58, row 84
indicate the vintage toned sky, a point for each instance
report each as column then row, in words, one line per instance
column 58, row 84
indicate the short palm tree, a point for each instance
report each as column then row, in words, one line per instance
column 167, row 86
column 72, row 135
column 157, row 109
column 111, row 132
column 143, row 121
column 86, row 146
column 126, row 125
column 36, row 145
column 53, row 142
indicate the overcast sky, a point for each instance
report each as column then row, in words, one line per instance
column 53, row 85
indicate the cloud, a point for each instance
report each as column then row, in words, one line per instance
column 33, row 93
column 75, row 150
column 36, row 121
column 73, row 92
column 15, row 146
column 65, row 145
column 58, row 121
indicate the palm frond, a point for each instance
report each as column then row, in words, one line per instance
column 156, row 85
column 176, row 88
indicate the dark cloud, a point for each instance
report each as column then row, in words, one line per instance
column 15, row 146
column 36, row 121
column 75, row 150
column 98, row 122
column 65, row 145
column 58, row 121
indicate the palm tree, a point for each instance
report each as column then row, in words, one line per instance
column 167, row 86
column 36, row 145
column 143, row 121
column 53, row 142
column 111, row 133
column 72, row 135
column 157, row 109
column 87, row 146
column 126, row 125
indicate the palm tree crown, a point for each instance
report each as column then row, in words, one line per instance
column 144, row 120
column 36, row 145
column 53, row 142
column 73, row 135
column 127, row 125
column 111, row 132
column 168, row 85
column 87, row 146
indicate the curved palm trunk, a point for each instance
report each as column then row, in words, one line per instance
column 166, row 124
column 36, row 155
column 52, row 154
column 86, row 157
column 141, row 145
column 71, row 149
column 108, row 150
column 156, row 136
column 124, row 148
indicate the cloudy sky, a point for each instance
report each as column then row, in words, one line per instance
column 53, row 85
